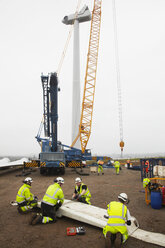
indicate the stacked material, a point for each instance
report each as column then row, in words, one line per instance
column 159, row 170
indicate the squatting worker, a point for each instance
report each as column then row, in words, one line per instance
column 118, row 216
column 25, row 199
column 81, row 192
column 51, row 202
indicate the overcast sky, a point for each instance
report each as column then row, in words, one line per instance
column 32, row 41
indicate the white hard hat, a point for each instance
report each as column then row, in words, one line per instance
column 28, row 180
column 123, row 197
column 59, row 180
column 78, row 180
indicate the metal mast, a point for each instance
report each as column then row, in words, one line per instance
column 90, row 77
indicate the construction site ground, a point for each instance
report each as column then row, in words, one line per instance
column 15, row 231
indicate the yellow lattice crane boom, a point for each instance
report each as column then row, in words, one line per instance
column 90, row 77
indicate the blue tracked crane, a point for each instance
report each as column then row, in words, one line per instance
column 54, row 155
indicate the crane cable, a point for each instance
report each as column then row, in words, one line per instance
column 64, row 52
column 68, row 39
column 118, row 76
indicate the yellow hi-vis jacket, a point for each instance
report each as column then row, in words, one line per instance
column 117, row 215
column 117, row 164
column 24, row 194
column 146, row 181
column 53, row 194
column 87, row 192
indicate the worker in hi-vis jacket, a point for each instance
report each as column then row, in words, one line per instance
column 118, row 217
column 117, row 167
column 51, row 202
column 25, row 199
column 100, row 167
column 81, row 192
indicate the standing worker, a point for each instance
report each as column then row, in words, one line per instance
column 128, row 163
column 100, row 167
column 81, row 192
column 117, row 167
column 147, row 167
column 51, row 202
column 25, row 199
column 118, row 216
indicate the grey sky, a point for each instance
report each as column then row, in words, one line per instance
column 32, row 41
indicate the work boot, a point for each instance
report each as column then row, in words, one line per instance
column 113, row 238
column 20, row 210
column 33, row 216
column 108, row 240
column 36, row 210
column 36, row 219
column 118, row 239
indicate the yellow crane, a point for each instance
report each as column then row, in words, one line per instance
column 90, row 77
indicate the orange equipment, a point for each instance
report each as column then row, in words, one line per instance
column 121, row 145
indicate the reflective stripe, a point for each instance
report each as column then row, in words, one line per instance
column 123, row 211
column 48, row 203
column 21, row 202
column 120, row 217
column 112, row 224
column 56, row 192
column 53, row 197
column 22, row 192
column 116, row 216
column 45, row 220
column 50, row 196
column 87, row 192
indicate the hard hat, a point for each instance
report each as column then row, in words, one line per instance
column 78, row 180
column 123, row 197
column 28, row 180
column 59, row 180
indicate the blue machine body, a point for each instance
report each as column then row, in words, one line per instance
column 53, row 153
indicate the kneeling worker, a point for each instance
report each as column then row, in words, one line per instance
column 81, row 192
column 51, row 202
column 25, row 199
column 118, row 216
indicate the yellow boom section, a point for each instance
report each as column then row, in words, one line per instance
column 90, row 77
